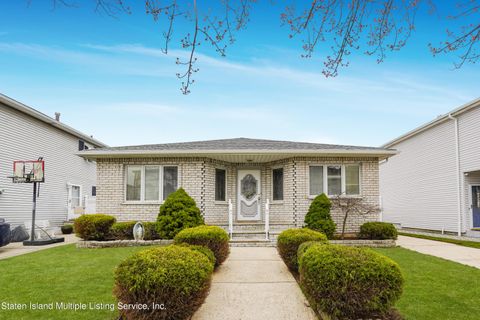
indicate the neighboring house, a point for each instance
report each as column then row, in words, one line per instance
column 133, row 181
column 434, row 181
column 26, row 134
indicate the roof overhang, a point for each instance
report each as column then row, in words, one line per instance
column 235, row 156
column 440, row 119
column 46, row 119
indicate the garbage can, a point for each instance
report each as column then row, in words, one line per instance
column 4, row 233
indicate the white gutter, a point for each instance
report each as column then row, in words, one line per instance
column 457, row 160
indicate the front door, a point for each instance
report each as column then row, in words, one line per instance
column 476, row 206
column 74, row 201
column 248, row 195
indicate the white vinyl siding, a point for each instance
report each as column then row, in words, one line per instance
column 418, row 185
column 23, row 137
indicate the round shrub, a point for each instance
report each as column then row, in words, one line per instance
column 289, row 240
column 175, row 276
column 212, row 237
column 318, row 216
column 178, row 212
column 350, row 283
column 151, row 232
column 305, row 246
column 204, row 250
column 93, row 226
column 67, row 228
column 378, row 231
column 122, row 230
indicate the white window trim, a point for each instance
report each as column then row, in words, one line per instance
column 342, row 177
column 226, row 186
column 283, row 182
column 70, row 192
column 142, row 183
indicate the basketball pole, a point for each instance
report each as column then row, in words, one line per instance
column 34, row 209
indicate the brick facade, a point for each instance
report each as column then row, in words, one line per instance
column 197, row 177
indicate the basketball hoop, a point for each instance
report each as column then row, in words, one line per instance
column 32, row 172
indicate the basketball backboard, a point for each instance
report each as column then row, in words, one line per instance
column 29, row 171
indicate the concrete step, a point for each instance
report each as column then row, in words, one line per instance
column 252, row 243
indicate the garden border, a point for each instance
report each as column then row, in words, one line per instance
column 122, row 243
column 387, row 243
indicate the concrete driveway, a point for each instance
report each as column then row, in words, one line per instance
column 254, row 283
column 448, row 251
column 17, row 248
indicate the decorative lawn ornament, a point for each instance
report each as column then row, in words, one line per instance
column 138, row 231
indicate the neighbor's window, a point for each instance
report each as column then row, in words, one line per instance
column 134, row 183
column 170, row 180
column 334, row 180
column 277, row 178
column 220, row 184
column 316, row 180
column 352, row 179
column 150, row 183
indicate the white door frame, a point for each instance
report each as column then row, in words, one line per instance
column 257, row 173
column 470, row 201
column 70, row 210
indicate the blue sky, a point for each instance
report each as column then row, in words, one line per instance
column 108, row 78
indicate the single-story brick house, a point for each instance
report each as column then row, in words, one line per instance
column 133, row 181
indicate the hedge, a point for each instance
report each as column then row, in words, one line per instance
column 93, row 226
column 151, row 232
column 175, row 276
column 349, row 283
column 318, row 216
column 212, row 237
column 178, row 212
column 122, row 230
column 289, row 240
column 202, row 249
column 378, row 231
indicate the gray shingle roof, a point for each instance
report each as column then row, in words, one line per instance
column 238, row 144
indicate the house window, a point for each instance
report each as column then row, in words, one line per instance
column 75, row 196
column 352, row 179
column 170, row 180
column 150, row 183
column 220, row 184
column 134, row 183
column 334, row 179
column 334, row 176
column 94, row 191
column 316, row 180
column 277, row 179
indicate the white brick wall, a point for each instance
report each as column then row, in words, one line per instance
column 197, row 177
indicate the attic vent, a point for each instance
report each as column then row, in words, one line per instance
column 82, row 146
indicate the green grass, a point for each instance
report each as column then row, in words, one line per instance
column 436, row 288
column 465, row 243
column 62, row 274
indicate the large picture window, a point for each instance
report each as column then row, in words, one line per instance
column 277, row 181
column 150, row 183
column 220, row 184
column 334, row 179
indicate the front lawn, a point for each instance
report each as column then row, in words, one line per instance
column 62, row 274
column 436, row 288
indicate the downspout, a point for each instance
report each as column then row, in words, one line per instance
column 457, row 158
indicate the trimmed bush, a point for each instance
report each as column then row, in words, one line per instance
column 178, row 212
column 151, row 232
column 122, row 230
column 378, row 231
column 318, row 216
column 67, row 228
column 212, row 237
column 175, row 276
column 204, row 250
column 93, row 226
column 305, row 246
column 289, row 240
column 350, row 283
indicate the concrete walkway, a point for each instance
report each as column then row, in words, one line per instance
column 448, row 251
column 254, row 283
column 17, row 248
